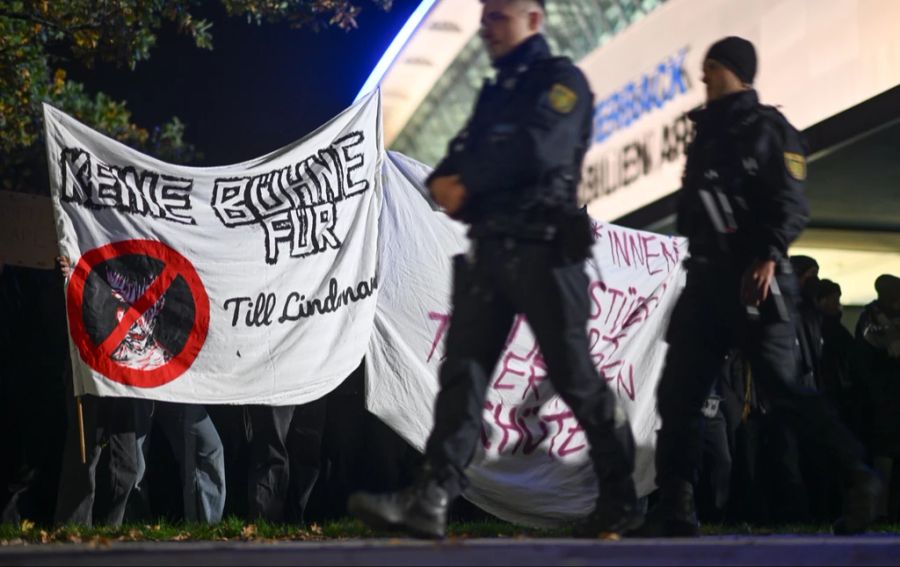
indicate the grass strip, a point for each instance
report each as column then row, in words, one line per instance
column 235, row 529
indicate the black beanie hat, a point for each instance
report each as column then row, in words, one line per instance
column 888, row 288
column 802, row 264
column 737, row 54
column 826, row 288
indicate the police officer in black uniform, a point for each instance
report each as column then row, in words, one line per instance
column 741, row 206
column 511, row 174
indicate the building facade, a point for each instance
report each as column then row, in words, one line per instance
column 831, row 66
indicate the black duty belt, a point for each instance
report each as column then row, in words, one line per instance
column 519, row 229
column 707, row 262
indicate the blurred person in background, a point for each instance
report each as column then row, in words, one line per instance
column 878, row 334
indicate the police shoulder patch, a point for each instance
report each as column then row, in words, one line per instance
column 796, row 165
column 562, row 98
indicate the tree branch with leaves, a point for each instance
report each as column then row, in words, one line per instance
column 39, row 39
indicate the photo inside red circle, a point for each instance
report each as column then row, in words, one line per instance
column 159, row 333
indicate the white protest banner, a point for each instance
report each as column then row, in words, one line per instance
column 252, row 283
column 532, row 465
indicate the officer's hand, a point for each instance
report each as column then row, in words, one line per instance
column 448, row 192
column 755, row 284
column 65, row 265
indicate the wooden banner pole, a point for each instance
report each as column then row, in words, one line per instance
column 81, row 430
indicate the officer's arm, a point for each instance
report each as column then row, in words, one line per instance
column 514, row 154
column 784, row 210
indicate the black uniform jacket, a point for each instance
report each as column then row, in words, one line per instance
column 519, row 156
column 742, row 193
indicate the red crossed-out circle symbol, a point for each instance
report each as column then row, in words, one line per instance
column 99, row 354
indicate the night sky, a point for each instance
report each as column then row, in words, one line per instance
column 260, row 88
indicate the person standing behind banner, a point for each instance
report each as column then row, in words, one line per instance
column 108, row 422
column 198, row 450
column 809, row 322
column 285, row 459
column 741, row 206
column 512, row 174
column 838, row 373
column 195, row 443
column 878, row 336
column 840, row 380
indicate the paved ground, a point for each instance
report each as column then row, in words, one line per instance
column 726, row 550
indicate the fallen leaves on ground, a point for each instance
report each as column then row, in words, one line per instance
column 248, row 532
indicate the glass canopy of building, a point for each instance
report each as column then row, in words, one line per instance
column 574, row 28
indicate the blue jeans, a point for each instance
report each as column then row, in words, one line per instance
column 198, row 450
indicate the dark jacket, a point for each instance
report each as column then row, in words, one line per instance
column 809, row 335
column 520, row 154
column 751, row 162
column 839, row 380
column 880, row 373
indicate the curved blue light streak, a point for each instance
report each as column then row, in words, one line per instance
column 394, row 49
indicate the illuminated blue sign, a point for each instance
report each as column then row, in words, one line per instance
column 654, row 90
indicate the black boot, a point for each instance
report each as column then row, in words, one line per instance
column 861, row 499
column 675, row 515
column 617, row 512
column 420, row 510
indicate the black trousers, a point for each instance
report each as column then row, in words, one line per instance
column 708, row 320
column 715, row 473
column 504, row 278
column 285, row 457
column 789, row 490
column 110, row 420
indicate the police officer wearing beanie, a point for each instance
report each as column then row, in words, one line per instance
column 511, row 175
column 741, row 206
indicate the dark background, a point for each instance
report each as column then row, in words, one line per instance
column 260, row 88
